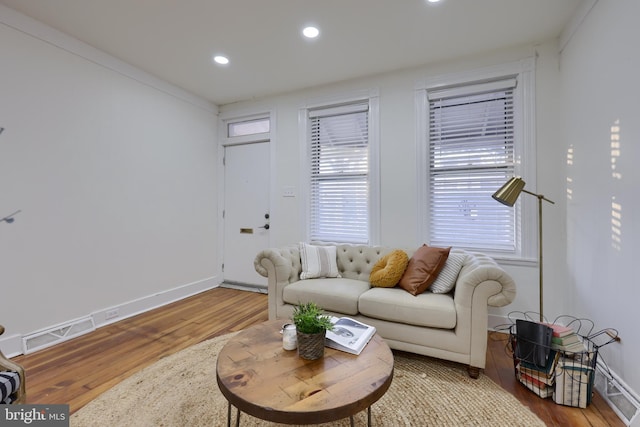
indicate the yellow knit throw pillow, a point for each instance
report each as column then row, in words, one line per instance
column 386, row 273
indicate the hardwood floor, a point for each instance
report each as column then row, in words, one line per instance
column 77, row 371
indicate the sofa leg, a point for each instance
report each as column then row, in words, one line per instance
column 474, row 372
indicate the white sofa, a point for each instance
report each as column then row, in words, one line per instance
column 451, row 326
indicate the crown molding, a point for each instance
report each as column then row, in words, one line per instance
column 578, row 18
column 43, row 32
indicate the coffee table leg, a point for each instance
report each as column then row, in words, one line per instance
column 229, row 415
column 368, row 418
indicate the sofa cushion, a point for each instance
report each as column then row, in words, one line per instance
column 318, row 261
column 423, row 268
column 338, row 295
column 396, row 305
column 386, row 273
column 446, row 280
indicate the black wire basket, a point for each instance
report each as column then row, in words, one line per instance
column 557, row 360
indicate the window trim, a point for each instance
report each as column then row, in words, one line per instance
column 524, row 115
column 304, row 129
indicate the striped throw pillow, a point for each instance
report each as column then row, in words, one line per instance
column 448, row 276
column 318, row 261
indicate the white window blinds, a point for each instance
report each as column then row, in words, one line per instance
column 471, row 154
column 339, row 179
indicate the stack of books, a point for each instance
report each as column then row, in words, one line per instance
column 574, row 383
column 540, row 380
column 566, row 339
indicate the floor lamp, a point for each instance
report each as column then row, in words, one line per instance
column 507, row 195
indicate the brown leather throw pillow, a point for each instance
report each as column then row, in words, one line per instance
column 423, row 269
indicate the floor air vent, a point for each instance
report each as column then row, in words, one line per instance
column 623, row 403
column 57, row 334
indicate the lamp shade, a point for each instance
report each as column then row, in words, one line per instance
column 509, row 192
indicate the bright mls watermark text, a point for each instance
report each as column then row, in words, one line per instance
column 34, row 415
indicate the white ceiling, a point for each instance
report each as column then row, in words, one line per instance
column 175, row 39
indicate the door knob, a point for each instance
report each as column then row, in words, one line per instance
column 266, row 226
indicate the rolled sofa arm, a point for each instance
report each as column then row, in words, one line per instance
column 285, row 260
column 280, row 266
column 481, row 269
column 481, row 283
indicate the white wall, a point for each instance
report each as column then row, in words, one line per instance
column 399, row 175
column 115, row 177
column 601, row 93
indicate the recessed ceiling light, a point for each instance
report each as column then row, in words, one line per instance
column 311, row 32
column 433, row 1
column 222, row 60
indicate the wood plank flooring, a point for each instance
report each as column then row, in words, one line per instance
column 77, row 371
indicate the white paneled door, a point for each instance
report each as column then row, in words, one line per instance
column 246, row 211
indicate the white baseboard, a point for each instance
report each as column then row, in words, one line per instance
column 122, row 311
column 499, row 323
column 13, row 345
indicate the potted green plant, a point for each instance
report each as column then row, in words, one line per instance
column 311, row 326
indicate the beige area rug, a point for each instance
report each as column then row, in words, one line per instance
column 181, row 391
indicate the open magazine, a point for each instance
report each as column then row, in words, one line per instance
column 349, row 335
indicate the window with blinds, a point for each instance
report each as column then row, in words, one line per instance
column 471, row 154
column 339, row 174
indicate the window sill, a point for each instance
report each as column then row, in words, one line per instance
column 518, row 262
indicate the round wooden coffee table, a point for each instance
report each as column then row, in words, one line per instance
column 260, row 378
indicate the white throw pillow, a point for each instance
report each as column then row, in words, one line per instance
column 318, row 261
column 447, row 277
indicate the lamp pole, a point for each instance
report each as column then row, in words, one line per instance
column 540, row 199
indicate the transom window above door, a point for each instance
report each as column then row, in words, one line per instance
column 248, row 127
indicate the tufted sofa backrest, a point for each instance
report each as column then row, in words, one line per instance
column 356, row 261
